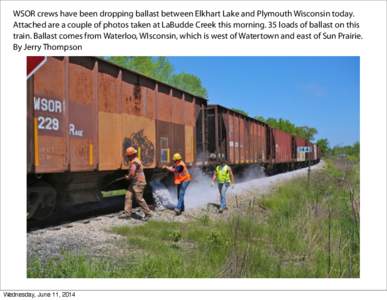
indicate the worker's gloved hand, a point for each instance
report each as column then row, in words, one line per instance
column 127, row 177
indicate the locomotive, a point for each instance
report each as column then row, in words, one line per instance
column 83, row 112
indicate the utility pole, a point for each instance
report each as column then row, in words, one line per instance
column 309, row 170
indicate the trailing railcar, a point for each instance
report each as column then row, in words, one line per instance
column 243, row 141
column 239, row 139
column 282, row 147
column 300, row 142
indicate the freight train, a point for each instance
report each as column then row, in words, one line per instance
column 83, row 112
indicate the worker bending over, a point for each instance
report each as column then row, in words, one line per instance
column 224, row 177
column 182, row 178
column 136, row 187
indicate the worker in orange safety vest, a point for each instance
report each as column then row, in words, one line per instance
column 182, row 179
column 136, row 187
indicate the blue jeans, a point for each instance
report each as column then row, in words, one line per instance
column 222, row 187
column 180, row 194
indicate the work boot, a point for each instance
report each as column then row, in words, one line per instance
column 220, row 210
column 159, row 208
column 146, row 218
column 177, row 211
column 125, row 216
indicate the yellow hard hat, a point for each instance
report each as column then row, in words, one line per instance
column 177, row 156
column 130, row 151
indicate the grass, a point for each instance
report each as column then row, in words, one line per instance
column 303, row 229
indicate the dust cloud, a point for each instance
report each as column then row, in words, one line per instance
column 200, row 192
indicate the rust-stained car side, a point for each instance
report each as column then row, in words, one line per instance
column 236, row 137
column 50, row 118
column 283, row 142
column 83, row 112
column 82, row 101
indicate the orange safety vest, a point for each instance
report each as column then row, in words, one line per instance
column 182, row 176
column 139, row 177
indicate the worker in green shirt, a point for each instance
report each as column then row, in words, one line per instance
column 224, row 178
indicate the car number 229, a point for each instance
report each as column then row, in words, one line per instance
column 48, row 123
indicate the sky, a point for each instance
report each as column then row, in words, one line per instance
column 319, row 92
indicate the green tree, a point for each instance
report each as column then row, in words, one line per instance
column 189, row 82
column 272, row 122
column 143, row 65
column 287, row 126
column 140, row 64
column 161, row 69
column 323, row 144
column 356, row 149
column 260, row 118
column 349, row 150
column 307, row 133
column 119, row 60
column 240, row 111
